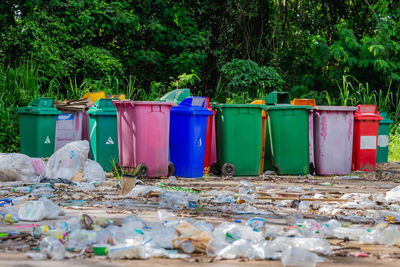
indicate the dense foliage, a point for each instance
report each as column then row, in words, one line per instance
column 337, row 51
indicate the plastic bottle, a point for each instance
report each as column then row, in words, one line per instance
column 39, row 230
column 22, row 189
column 187, row 247
column 52, row 247
column 10, row 215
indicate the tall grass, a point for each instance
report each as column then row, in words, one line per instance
column 394, row 144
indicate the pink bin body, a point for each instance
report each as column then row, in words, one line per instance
column 311, row 137
column 333, row 139
column 143, row 135
column 213, row 156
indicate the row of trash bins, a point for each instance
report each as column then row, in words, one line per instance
column 191, row 137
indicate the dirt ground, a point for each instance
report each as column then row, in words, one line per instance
column 106, row 202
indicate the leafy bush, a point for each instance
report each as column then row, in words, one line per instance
column 239, row 76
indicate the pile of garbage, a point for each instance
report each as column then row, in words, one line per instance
column 69, row 162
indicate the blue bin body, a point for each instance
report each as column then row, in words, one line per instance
column 187, row 138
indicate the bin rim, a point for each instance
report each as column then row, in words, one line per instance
column 95, row 111
column 242, row 106
column 157, row 103
column 367, row 116
column 386, row 119
column 287, row 107
column 335, row 108
column 38, row 111
column 191, row 110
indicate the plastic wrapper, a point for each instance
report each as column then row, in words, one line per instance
column 93, row 172
column 81, row 239
column 20, row 167
column 143, row 191
column 52, row 248
column 299, row 257
column 177, row 200
column 68, row 160
column 318, row 245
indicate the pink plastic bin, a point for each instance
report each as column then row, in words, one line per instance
column 143, row 135
column 333, row 139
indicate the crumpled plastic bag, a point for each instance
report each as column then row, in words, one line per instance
column 143, row 191
column 39, row 210
column 68, row 160
column 20, row 167
column 93, row 172
column 393, row 195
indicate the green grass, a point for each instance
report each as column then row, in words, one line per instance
column 394, row 144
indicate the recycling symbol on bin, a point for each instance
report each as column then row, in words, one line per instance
column 109, row 141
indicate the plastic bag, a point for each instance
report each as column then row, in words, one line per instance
column 52, row 248
column 143, row 191
column 20, row 167
column 393, row 195
column 93, row 172
column 68, row 160
column 38, row 210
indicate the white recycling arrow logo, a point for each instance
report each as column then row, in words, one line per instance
column 47, row 141
column 109, row 141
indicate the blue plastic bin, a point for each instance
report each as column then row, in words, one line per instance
column 187, row 139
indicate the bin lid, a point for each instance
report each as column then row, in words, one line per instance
column 177, row 95
column 104, row 106
column 238, row 105
column 335, row 108
column 385, row 116
column 303, row 102
column 156, row 103
column 276, row 98
column 367, row 112
column 193, row 105
column 40, row 105
column 137, row 103
column 287, row 106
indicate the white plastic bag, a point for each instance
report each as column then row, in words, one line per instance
column 393, row 195
column 20, row 167
column 93, row 172
column 38, row 210
column 68, row 160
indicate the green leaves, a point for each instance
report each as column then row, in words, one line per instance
column 247, row 76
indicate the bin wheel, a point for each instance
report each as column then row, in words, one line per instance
column 215, row 169
column 171, row 169
column 228, row 169
column 142, row 171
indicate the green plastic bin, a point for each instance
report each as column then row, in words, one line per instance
column 238, row 139
column 288, row 132
column 104, row 133
column 175, row 96
column 383, row 138
column 37, row 127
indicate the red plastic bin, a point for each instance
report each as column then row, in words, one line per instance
column 366, row 125
column 210, row 143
